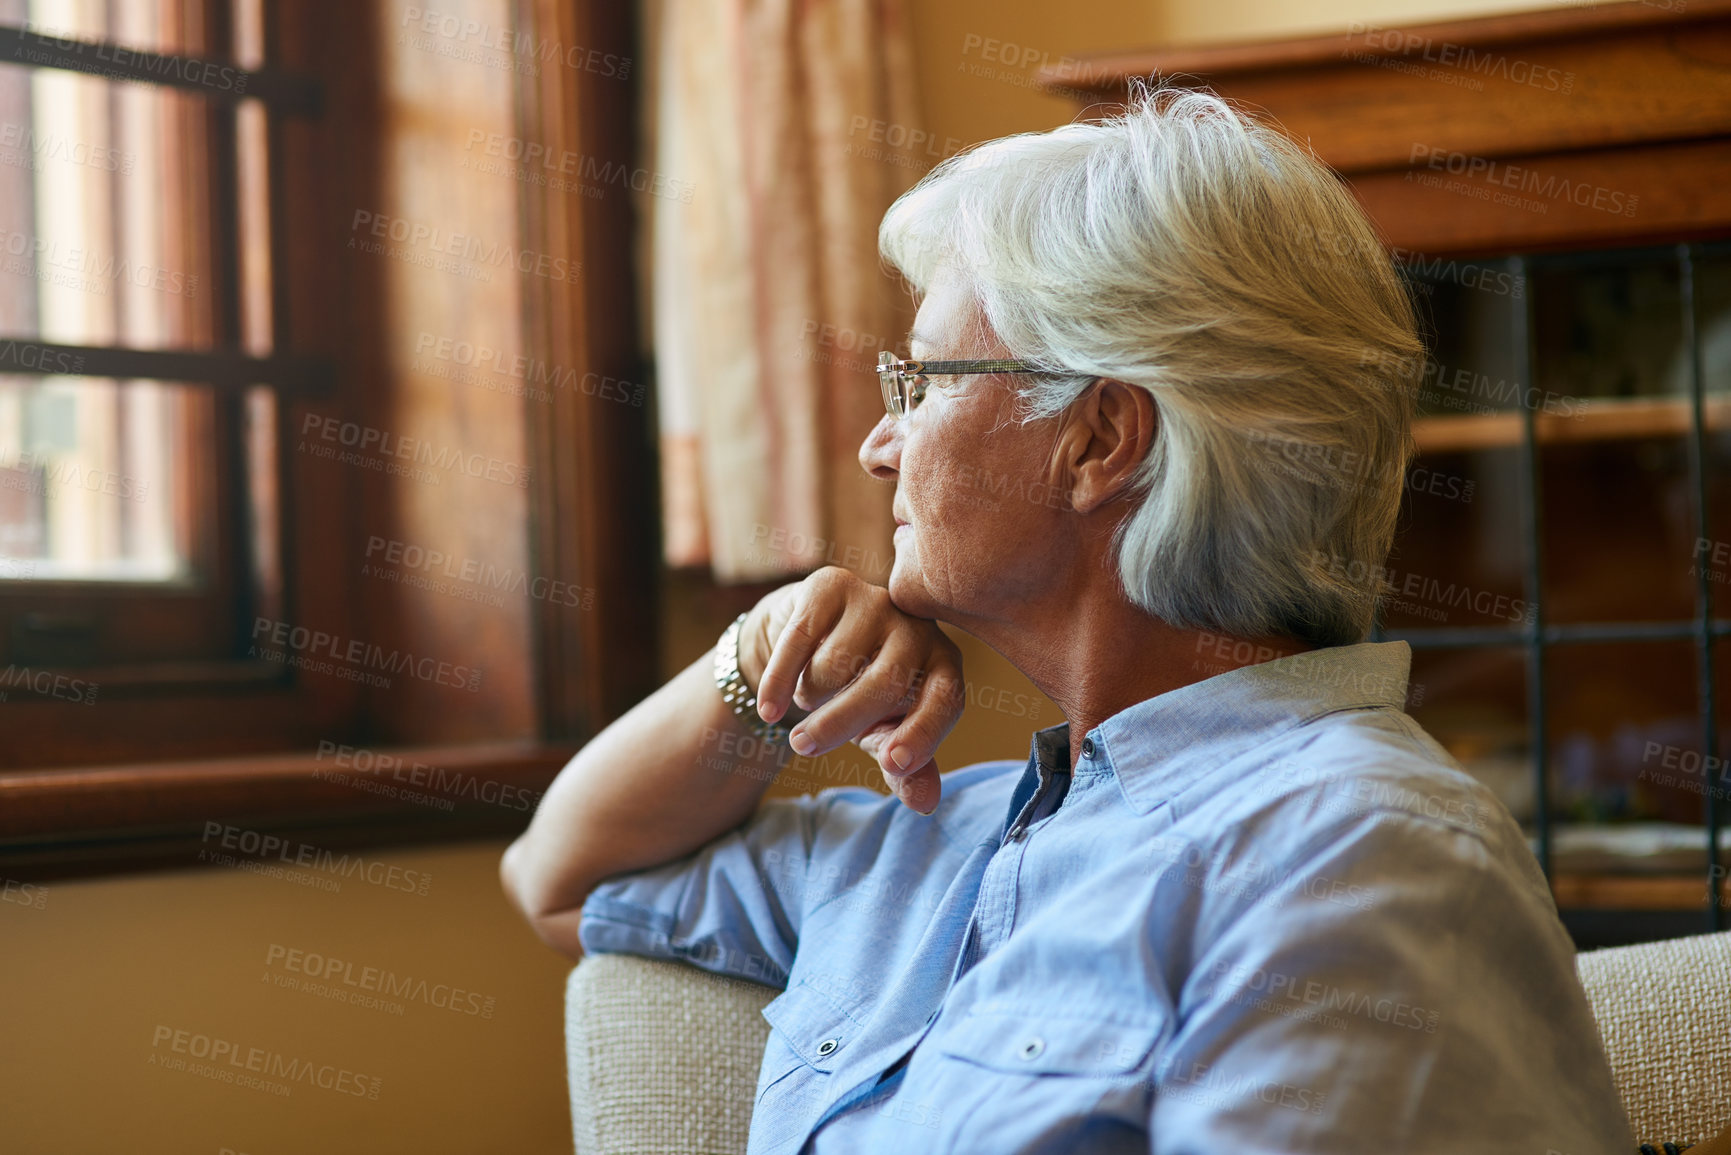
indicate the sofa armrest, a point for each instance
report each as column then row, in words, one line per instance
column 661, row 1056
column 1664, row 1011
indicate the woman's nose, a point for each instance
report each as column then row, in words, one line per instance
column 881, row 453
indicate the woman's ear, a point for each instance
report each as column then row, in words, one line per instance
column 1110, row 432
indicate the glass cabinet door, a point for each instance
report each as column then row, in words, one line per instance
column 1562, row 567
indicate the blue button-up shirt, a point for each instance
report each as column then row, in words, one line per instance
column 1265, row 913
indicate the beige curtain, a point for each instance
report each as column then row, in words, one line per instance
column 773, row 124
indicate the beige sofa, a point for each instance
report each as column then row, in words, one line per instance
column 663, row 1057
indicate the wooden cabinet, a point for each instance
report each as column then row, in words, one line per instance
column 1557, row 186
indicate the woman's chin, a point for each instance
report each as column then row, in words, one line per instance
column 907, row 592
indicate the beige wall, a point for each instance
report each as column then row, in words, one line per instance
column 977, row 59
column 94, row 976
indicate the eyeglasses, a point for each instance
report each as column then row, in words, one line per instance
column 904, row 382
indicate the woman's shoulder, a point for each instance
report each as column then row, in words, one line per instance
column 1359, row 785
column 1357, row 764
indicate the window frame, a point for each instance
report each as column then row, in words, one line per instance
column 182, row 636
column 126, row 784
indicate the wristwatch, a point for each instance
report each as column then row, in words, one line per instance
column 735, row 692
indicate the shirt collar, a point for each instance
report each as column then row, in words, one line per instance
column 1159, row 746
column 1048, row 754
column 1050, row 749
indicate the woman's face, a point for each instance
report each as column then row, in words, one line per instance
column 984, row 531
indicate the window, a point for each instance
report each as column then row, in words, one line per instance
column 167, row 665
column 141, row 374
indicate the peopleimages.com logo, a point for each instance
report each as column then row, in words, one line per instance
column 261, row 1068
column 256, row 847
column 328, row 971
column 352, row 658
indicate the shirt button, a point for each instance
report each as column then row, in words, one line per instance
column 828, row 1046
column 1031, row 1049
column 1087, row 747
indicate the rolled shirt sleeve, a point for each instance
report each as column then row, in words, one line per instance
column 734, row 907
column 1349, row 1006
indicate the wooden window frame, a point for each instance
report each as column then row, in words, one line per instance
column 131, row 782
column 191, row 634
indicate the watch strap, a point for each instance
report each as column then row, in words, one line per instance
column 735, row 692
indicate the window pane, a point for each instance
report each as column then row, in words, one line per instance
column 249, row 48
column 1713, row 304
column 1458, row 555
column 1616, row 480
column 252, row 158
column 263, row 500
column 171, row 26
column 1470, row 322
column 1474, row 702
column 1713, row 308
column 1612, row 328
column 1626, row 756
column 1628, row 499
column 1610, row 705
column 94, row 481
column 104, row 212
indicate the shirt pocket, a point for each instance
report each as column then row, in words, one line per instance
column 810, row 1037
column 1048, row 1043
column 1043, row 1082
column 809, row 1031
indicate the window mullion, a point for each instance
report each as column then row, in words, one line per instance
column 1532, row 525
column 1704, row 639
column 221, row 368
column 287, row 92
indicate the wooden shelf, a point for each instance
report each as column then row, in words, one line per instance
column 1630, row 891
column 1631, row 100
column 1603, row 420
column 1446, row 434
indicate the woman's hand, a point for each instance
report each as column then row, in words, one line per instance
column 836, row 646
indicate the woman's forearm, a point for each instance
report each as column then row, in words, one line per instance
column 680, row 769
column 668, row 777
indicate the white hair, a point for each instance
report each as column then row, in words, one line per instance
column 1185, row 248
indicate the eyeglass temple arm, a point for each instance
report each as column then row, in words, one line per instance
column 947, row 368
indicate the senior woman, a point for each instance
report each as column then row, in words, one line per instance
column 1239, row 901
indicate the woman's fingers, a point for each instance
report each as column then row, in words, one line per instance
column 905, row 746
column 935, row 713
column 879, row 691
column 866, row 672
column 816, row 609
column 848, row 652
column 920, row 790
